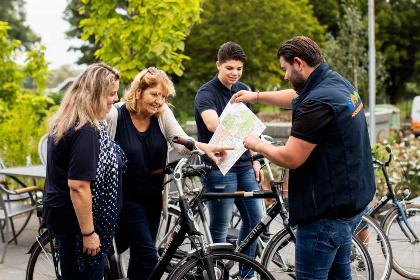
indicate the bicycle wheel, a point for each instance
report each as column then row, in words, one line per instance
column 40, row 264
column 406, row 253
column 377, row 245
column 279, row 258
column 227, row 265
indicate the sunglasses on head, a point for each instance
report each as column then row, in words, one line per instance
column 152, row 71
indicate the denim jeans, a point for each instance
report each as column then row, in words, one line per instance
column 323, row 249
column 139, row 223
column 66, row 229
column 220, row 210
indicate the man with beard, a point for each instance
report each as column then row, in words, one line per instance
column 331, row 176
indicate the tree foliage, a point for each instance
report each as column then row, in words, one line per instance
column 13, row 12
column 397, row 34
column 259, row 26
column 347, row 52
column 398, row 37
column 23, row 111
column 141, row 33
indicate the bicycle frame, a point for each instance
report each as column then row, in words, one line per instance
column 277, row 208
column 186, row 225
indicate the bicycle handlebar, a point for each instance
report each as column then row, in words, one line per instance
column 386, row 163
column 187, row 142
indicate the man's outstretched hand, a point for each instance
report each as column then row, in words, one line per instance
column 244, row 96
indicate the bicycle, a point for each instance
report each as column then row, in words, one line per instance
column 401, row 225
column 207, row 261
column 278, row 208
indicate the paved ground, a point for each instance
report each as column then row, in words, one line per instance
column 14, row 266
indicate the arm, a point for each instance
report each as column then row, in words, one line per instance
column 282, row 98
column 172, row 128
column 81, row 198
column 291, row 156
column 211, row 119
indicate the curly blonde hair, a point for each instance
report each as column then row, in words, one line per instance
column 143, row 81
column 85, row 102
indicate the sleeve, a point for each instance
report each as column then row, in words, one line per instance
column 84, row 155
column 311, row 122
column 204, row 100
column 172, row 128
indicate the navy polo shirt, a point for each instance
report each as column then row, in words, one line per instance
column 213, row 95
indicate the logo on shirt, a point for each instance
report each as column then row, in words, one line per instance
column 355, row 103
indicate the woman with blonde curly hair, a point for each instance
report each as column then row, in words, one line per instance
column 83, row 174
column 143, row 127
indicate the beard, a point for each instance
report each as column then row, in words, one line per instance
column 297, row 81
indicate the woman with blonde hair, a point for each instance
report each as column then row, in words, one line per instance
column 83, row 174
column 143, row 127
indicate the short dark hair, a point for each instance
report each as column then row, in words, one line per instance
column 304, row 48
column 230, row 51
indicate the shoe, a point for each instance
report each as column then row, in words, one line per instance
column 252, row 278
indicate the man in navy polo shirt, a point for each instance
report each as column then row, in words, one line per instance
column 210, row 101
column 331, row 176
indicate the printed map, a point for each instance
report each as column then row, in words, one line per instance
column 236, row 122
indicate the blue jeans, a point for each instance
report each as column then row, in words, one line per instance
column 220, row 210
column 139, row 223
column 323, row 249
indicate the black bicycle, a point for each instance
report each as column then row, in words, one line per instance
column 204, row 261
column 401, row 225
column 278, row 255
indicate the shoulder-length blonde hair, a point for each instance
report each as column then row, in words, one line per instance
column 143, row 81
column 85, row 102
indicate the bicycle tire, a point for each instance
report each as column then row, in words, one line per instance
column 282, row 265
column 378, row 247
column 40, row 265
column 404, row 263
column 226, row 263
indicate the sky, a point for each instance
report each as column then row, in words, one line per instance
column 45, row 17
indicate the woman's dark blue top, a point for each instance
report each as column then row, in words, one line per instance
column 146, row 152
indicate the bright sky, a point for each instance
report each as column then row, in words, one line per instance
column 45, row 17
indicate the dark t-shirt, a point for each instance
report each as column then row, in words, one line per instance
column 213, row 95
column 74, row 157
column 311, row 121
column 146, row 152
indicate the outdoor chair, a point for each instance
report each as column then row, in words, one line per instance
column 42, row 149
column 12, row 204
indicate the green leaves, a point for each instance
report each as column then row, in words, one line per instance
column 23, row 106
column 140, row 34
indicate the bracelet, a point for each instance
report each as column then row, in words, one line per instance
column 88, row 234
column 258, row 95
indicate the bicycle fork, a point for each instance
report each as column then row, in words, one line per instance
column 404, row 218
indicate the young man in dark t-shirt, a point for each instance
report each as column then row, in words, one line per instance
column 210, row 101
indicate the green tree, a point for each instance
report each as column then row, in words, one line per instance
column 13, row 12
column 142, row 34
column 23, row 111
column 398, row 38
column 74, row 17
column 347, row 53
column 259, row 26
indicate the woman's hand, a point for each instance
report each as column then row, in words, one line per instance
column 91, row 244
column 214, row 152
